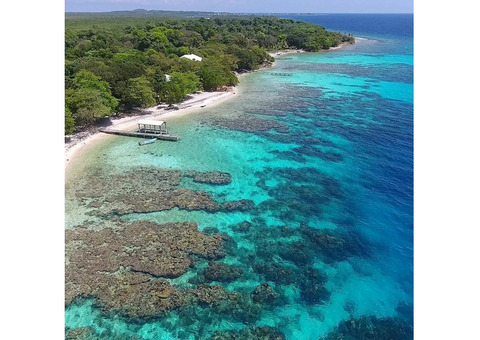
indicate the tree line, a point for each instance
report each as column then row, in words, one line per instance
column 114, row 64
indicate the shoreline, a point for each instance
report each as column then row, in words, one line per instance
column 293, row 51
column 193, row 103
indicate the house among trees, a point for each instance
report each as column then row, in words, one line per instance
column 113, row 68
column 192, row 57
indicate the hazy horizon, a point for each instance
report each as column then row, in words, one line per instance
column 200, row 11
column 245, row 6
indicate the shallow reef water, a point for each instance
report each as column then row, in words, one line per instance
column 285, row 213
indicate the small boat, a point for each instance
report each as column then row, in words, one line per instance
column 148, row 141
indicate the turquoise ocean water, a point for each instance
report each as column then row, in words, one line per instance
column 340, row 159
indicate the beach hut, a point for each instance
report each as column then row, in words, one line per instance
column 152, row 126
column 192, row 57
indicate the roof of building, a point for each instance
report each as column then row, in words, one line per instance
column 192, row 57
column 150, row 122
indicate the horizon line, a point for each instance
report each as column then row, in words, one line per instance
column 199, row 11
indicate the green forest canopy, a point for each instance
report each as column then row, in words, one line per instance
column 119, row 63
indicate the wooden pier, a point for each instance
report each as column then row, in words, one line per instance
column 162, row 136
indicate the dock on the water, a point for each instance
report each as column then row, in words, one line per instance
column 141, row 134
column 146, row 129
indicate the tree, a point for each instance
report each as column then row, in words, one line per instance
column 87, row 80
column 86, row 105
column 90, row 98
column 282, row 42
column 156, row 78
column 214, row 75
column 139, row 93
column 69, row 122
column 179, row 86
column 158, row 39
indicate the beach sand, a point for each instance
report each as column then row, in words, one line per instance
column 282, row 52
column 292, row 51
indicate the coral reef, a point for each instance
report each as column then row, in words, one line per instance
column 212, row 177
column 243, row 227
column 264, row 294
column 311, row 192
column 250, row 124
column 89, row 333
column 214, row 294
column 146, row 247
column 285, row 255
column 312, row 286
column 83, row 333
column 312, row 151
column 349, row 307
column 275, row 272
column 148, row 189
column 119, row 266
column 334, row 245
column 218, row 271
column 257, row 333
column 371, row 327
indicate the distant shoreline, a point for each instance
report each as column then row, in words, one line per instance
column 293, row 51
column 193, row 103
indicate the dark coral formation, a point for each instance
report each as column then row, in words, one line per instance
column 334, row 245
column 146, row 189
column 286, row 256
column 213, row 295
column 211, row 177
column 219, row 271
column 82, row 333
column 264, row 294
column 301, row 192
column 241, row 309
column 405, row 312
column 250, row 123
column 371, row 327
column 257, row 333
column 240, row 205
column 349, row 307
column 296, row 252
column 242, row 227
column 312, row 286
column 275, row 272
column 312, row 151
column 89, row 333
column 310, row 281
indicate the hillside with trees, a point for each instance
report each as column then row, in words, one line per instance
column 115, row 64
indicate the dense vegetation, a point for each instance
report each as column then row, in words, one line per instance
column 114, row 64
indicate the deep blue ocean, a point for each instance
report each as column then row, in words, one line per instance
column 322, row 143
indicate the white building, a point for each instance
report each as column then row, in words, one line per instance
column 192, row 57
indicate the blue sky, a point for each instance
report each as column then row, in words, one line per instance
column 246, row 6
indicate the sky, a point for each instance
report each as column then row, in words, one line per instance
column 246, row 6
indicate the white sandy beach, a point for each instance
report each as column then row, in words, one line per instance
column 293, row 51
column 282, row 52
